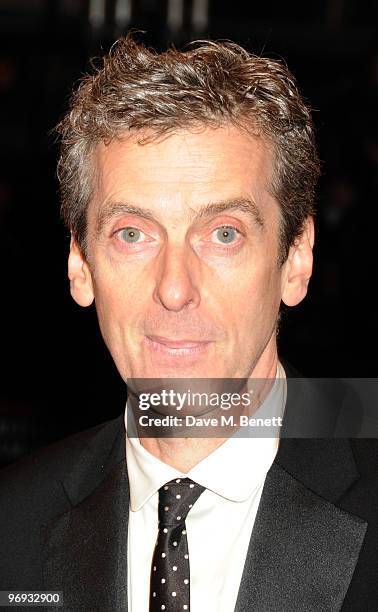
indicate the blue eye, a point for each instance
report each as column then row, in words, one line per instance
column 226, row 234
column 131, row 234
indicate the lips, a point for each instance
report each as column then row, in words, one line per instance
column 179, row 348
column 176, row 344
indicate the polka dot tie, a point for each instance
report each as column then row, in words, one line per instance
column 170, row 577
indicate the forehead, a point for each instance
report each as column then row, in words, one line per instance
column 184, row 170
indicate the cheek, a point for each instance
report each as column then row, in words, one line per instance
column 116, row 287
column 117, row 302
column 252, row 299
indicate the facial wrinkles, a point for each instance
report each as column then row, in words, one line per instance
column 191, row 176
column 237, row 309
column 173, row 199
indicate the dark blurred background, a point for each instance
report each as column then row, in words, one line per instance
column 57, row 376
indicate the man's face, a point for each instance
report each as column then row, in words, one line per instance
column 183, row 255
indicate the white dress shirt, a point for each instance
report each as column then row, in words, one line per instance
column 219, row 525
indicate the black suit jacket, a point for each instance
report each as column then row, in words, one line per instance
column 64, row 519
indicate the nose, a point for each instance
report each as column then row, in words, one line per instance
column 175, row 287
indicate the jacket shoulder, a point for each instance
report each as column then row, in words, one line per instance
column 39, row 487
column 40, row 473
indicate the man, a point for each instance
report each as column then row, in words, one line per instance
column 187, row 184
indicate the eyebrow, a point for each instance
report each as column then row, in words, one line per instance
column 244, row 204
column 114, row 210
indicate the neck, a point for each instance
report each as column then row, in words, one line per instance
column 184, row 453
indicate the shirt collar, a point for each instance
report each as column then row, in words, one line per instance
column 233, row 470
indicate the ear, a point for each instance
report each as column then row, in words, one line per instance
column 298, row 266
column 80, row 276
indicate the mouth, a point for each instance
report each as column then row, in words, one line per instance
column 176, row 348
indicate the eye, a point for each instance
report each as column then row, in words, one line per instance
column 226, row 234
column 131, row 234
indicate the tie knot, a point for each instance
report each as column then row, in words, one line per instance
column 176, row 499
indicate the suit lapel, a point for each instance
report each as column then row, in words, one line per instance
column 84, row 550
column 302, row 552
column 303, row 549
